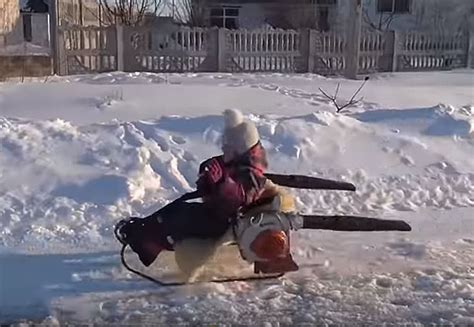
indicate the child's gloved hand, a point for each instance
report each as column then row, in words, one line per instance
column 213, row 171
column 211, row 174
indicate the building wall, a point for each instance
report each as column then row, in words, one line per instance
column 451, row 15
column 254, row 15
column 15, row 36
column 15, row 66
column 39, row 30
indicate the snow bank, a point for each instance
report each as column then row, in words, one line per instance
column 441, row 120
column 64, row 186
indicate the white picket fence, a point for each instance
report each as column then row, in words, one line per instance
column 262, row 51
column 420, row 51
column 87, row 49
column 93, row 49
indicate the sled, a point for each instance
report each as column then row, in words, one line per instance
column 256, row 277
column 260, row 213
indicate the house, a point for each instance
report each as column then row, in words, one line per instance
column 251, row 14
column 330, row 15
column 17, row 57
column 421, row 15
column 323, row 15
column 32, row 26
column 69, row 12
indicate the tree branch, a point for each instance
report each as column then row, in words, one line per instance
column 351, row 102
column 131, row 12
column 367, row 19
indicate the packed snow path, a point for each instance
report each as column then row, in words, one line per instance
column 80, row 153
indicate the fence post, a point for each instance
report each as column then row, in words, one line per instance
column 396, row 45
column 308, row 49
column 470, row 50
column 120, row 48
column 55, row 45
column 60, row 56
column 352, row 33
column 391, row 50
column 221, row 50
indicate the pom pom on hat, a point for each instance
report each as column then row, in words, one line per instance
column 239, row 135
column 232, row 118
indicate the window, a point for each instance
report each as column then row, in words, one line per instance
column 27, row 35
column 324, row 2
column 393, row 6
column 225, row 17
column 323, row 19
column 402, row 6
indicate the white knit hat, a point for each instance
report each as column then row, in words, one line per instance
column 239, row 135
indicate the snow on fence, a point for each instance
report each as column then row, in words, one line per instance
column 184, row 49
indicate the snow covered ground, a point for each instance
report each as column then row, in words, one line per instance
column 79, row 153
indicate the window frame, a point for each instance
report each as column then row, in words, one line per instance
column 226, row 16
column 380, row 10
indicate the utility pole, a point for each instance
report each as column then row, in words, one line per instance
column 53, row 34
column 352, row 33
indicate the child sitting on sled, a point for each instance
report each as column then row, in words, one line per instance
column 229, row 184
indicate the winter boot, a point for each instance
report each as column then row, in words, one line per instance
column 143, row 236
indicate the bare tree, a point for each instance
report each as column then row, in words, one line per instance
column 351, row 102
column 381, row 21
column 130, row 12
column 191, row 12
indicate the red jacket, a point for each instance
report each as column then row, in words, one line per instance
column 242, row 183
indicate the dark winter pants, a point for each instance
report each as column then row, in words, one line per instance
column 182, row 220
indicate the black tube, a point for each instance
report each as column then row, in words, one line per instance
column 309, row 182
column 353, row 223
